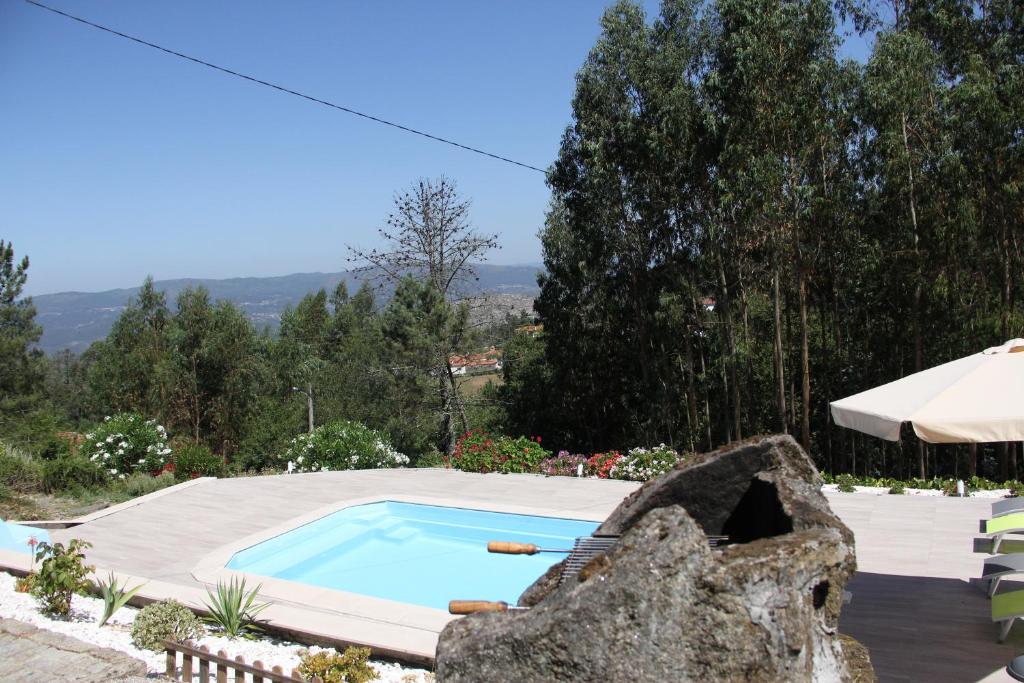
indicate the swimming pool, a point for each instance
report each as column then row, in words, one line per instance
column 419, row 554
column 15, row 537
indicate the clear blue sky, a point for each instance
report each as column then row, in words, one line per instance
column 120, row 161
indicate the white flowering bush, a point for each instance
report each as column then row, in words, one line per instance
column 642, row 464
column 127, row 443
column 342, row 445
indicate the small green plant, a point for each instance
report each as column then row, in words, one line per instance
column 233, row 608
column 114, row 596
column 61, row 575
column 192, row 460
column 165, row 620
column 351, row 666
column 845, row 482
column 897, row 488
column 140, row 483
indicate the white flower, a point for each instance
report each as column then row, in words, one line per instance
column 113, row 471
column 106, row 419
column 123, row 444
column 99, row 444
column 120, row 476
column 110, row 439
column 120, row 451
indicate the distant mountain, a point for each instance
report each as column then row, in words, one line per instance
column 74, row 320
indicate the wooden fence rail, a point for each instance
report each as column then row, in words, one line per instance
column 222, row 665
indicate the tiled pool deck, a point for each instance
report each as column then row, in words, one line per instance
column 912, row 603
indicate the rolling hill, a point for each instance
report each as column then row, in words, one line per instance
column 74, row 320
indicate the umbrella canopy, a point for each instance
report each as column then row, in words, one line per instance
column 976, row 399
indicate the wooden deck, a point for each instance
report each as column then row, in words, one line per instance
column 913, row 604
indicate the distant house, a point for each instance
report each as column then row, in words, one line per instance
column 532, row 330
column 476, row 363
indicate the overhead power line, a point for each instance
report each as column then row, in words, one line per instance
column 283, row 89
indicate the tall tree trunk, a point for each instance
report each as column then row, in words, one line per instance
column 780, row 376
column 918, row 291
column 805, row 366
column 972, row 460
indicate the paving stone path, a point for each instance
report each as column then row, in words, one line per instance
column 32, row 655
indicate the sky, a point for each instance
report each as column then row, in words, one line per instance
column 120, row 161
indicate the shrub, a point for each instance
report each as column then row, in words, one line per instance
column 61, row 575
column 897, row 488
column 71, row 472
column 564, row 464
column 642, row 464
column 845, row 483
column 352, row 666
column 127, row 443
column 601, row 464
column 55, row 447
column 233, row 608
column 478, row 451
column 18, row 470
column 141, row 484
column 342, row 445
column 164, row 620
column 432, row 458
column 192, row 460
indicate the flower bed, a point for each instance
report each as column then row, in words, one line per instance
column 86, row 612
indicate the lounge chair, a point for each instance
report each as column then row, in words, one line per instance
column 1007, row 608
column 997, row 527
column 1008, row 546
column 1007, row 506
column 1000, row 567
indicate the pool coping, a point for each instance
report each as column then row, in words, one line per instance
column 416, row 626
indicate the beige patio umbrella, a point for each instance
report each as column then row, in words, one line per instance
column 976, row 399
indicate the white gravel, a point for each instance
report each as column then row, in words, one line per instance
column 879, row 490
column 116, row 634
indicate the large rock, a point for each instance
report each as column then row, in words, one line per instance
column 662, row 605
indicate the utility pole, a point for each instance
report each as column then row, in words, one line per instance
column 309, row 403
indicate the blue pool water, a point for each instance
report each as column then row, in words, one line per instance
column 15, row 537
column 420, row 554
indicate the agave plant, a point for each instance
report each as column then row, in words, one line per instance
column 233, row 608
column 114, row 596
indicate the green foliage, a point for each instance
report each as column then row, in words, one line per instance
column 71, row 473
column 342, row 445
column 482, row 452
column 846, row 483
column 141, row 484
column 352, row 666
column 19, row 471
column 233, row 608
column 114, row 596
column 164, row 620
column 432, row 458
column 897, row 489
column 20, row 367
column 193, row 460
column 127, row 443
column 62, row 573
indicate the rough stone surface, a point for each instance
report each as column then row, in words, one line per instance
column 31, row 654
column 661, row 605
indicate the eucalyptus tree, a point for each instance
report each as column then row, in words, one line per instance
column 629, row 190
column 127, row 371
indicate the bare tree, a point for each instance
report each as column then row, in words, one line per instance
column 429, row 235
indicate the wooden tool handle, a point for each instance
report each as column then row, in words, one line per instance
column 512, row 548
column 474, row 606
